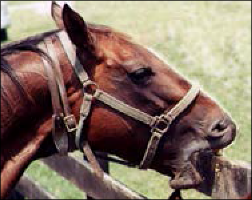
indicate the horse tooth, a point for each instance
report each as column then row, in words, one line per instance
column 218, row 152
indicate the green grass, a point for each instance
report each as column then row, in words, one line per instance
column 11, row 3
column 209, row 42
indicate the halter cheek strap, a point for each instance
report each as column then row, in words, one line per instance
column 159, row 125
column 162, row 124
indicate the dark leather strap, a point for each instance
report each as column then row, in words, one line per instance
column 63, row 121
column 69, row 119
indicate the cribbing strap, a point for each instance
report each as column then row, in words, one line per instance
column 58, row 129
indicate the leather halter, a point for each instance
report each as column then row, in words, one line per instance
column 159, row 125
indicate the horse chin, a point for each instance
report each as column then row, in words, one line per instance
column 186, row 154
column 187, row 175
column 220, row 144
column 213, row 148
column 183, row 170
column 213, row 145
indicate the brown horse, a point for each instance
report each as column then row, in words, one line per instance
column 122, row 68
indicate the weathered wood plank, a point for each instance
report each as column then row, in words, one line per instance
column 31, row 189
column 104, row 165
column 224, row 179
column 80, row 173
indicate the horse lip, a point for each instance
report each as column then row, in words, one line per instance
column 215, row 145
column 219, row 144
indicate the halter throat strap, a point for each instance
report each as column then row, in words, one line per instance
column 159, row 124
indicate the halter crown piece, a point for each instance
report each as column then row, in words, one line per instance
column 159, row 125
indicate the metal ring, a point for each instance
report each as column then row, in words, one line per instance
column 161, row 125
column 87, row 84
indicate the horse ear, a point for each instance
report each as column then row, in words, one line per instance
column 56, row 12
column 77, row 30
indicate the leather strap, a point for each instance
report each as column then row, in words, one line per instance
column 80, row 142
column 163, row 124
column 159, row 124
column 58, row 129
column 70, row 51
column 63, row 121
column 69, row 119
column 124, row 108
column 84, row 113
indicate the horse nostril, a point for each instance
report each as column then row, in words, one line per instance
column 218, row 129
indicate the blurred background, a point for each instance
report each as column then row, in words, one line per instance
column 208, row 42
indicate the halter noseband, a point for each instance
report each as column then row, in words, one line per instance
column 159, row 124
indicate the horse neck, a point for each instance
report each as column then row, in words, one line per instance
column 26, row 122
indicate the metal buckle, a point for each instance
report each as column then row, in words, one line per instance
column 160, row 126
column 87, row 87
column 59, row 134
column 70, row 123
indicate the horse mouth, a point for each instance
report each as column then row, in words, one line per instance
column 188, row 176
column 185, row 170
column 216, row 146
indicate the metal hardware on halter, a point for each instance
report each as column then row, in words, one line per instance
column 87, row 86
column 59, row 134
column 89, row 83
column 70, row 123
column 58, row 95
column 162, row 124
column 159, row 124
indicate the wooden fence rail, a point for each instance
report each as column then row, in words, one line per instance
column 223, row 179
column 31, row 189
column 78, row 172
column 82, row 175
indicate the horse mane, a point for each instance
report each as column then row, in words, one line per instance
column 30, row 44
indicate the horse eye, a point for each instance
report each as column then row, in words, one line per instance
column 141, row 76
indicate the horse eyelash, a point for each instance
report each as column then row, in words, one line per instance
column 149, row 74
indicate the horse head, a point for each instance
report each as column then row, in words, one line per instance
column 141, row 79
